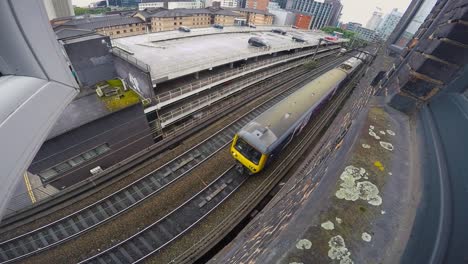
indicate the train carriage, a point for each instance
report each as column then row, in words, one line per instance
column 259, row 141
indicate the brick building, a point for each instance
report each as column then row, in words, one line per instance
column 257, row 4
column 303, row 21
column 254, row 16
column 161, row 19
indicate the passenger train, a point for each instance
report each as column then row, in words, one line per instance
column 259, row 141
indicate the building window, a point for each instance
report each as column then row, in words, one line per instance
column 415, row 23
column 74, row 162
column 131, row 30
column 118, row 32
column 175, row 23
column 180, row 23
column 125, row 31
column 175, row 18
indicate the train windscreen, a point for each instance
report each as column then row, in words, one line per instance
column 248, row 151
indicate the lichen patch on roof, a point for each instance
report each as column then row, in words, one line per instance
column 366, row 146
column 366, row 237
column 328, row 225
column 386, row 145
column 304, row 244
column 351, row 189
column 338, row 250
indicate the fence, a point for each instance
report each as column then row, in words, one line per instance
column 219, row 108
column 197, row 104
column 125, row 56
column 196, row 86
column 163, row 36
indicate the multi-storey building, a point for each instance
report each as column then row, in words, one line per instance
column 161, row 19
column 320, row 11
column 254, row 16
column 352, row 26
column 375, row 20
column 257, row 4
column 230, row 3
column 282, row 17
column 337, row 7
column 366, row 34
column 171, row 4
column 388, row 24
column 303, row 21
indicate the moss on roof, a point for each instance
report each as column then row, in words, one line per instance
column 121, row 99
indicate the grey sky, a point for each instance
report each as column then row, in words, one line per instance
column 353, row 10
column 83, row 3
column 361, row 10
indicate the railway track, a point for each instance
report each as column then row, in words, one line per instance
column 264, row 187
column 148, row 241
column 170, row 227
column 111, row 206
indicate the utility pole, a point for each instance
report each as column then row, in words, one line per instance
column 316, row 49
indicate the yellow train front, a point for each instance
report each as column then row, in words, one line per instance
column 262, row 139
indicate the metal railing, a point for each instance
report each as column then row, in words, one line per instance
column 127, row 57
column 199, row 103
column 174, row 34
column 214, row 61
column 196, row 86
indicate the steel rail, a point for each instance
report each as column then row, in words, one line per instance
column 131, row 251
column 273, row 178
column 145, row 242
column 109, row 207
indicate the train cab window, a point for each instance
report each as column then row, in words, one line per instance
column 345, row 67
column 248, row 151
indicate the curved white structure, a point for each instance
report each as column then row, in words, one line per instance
column 36, row 85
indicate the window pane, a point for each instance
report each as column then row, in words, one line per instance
column 63, row 167
column 76, row 161
column 48, row 173
column 415, row 23
column 101, row 149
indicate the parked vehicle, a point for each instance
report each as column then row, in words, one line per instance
column 258, row 42
column 278, row 31
column 184, row 29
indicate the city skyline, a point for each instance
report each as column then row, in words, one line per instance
column 361, row 12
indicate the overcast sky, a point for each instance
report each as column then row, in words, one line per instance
column 353, row 10
column 361, row 10
column 83, row 3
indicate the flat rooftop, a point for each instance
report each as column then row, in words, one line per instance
column 178, row 57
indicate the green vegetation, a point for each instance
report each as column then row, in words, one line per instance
column 93, row 11
column 119, row 99
column 311, row 65
column 354, row 41
column 346, row 33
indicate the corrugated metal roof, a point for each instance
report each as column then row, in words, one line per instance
column 93, row 23
column 65, row 33
column 180, row 12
